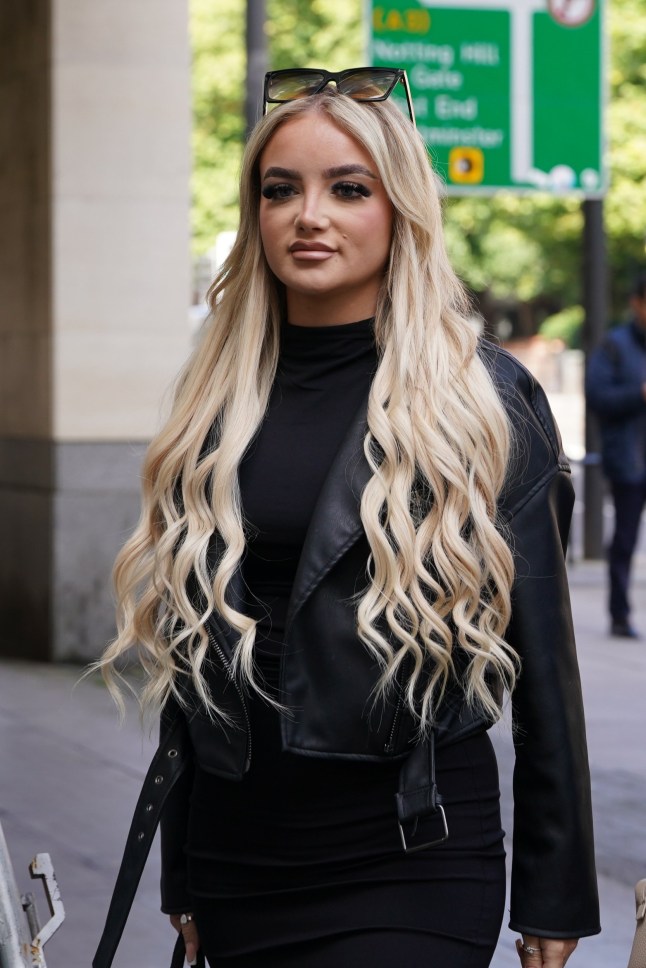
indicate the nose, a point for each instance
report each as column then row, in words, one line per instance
column 312, row 214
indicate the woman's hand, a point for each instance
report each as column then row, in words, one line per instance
column 537, row 952
column 185, row 924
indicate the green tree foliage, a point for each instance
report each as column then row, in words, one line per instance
column 626, row 121
column 518, row 247
column 565, row 326
column 525, row 248
column 315, row 33
column 217, row 40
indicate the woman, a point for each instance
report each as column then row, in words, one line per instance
column 351, row 542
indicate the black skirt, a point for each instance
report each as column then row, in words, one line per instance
column 301, row 863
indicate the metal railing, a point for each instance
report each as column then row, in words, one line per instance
column 21, row 936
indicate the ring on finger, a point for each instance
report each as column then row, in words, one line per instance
column 530, row 949
column 185, row 918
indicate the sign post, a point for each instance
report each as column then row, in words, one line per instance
column 507, row 93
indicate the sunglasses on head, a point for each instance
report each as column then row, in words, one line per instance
column 359, row 83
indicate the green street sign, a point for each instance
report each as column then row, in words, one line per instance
column 508, row 93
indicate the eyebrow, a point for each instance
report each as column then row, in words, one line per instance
column 340, row 172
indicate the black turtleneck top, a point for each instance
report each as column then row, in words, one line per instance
column 324, row 374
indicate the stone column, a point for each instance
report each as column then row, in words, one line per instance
column 94, row 288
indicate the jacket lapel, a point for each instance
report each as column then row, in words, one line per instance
column 336, row 523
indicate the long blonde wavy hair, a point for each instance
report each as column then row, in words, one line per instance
column 439, row 572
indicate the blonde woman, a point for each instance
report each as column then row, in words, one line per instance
column 351, row 544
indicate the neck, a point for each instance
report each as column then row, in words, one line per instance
column 313, row 310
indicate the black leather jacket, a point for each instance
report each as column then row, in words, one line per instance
column 329, row 687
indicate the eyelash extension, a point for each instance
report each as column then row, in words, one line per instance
column 357, row 187
column 280, row 191
column 274, row 191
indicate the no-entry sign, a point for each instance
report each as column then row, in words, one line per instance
column 508, row 93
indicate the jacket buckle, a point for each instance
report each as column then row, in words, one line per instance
column 429, row 843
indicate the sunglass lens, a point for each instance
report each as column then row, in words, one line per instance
column 367, row 85
column 290, row 85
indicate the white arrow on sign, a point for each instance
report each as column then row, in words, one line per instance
column 522, row 102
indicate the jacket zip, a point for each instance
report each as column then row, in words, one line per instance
column 236, row 686
column 389, row 745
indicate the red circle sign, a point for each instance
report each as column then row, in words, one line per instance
column 571, row 13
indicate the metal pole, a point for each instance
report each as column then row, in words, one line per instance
column 256, row 60
column 595, row 302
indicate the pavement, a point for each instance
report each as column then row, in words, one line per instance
column 70, row 776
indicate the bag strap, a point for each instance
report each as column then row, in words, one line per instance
column 168, row 764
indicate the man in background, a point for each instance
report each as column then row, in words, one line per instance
column 616, row 392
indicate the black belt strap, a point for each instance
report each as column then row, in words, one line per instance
column 417, row 796
column 168, row 764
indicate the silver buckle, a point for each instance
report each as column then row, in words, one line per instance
column 430, row 843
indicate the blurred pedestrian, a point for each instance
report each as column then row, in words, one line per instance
column 352, row 542
column 616, row 392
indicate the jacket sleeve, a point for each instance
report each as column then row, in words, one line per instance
column 606, row 392
column 175, row 898
column 554, row 888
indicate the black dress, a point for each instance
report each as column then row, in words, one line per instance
column 300, row 864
